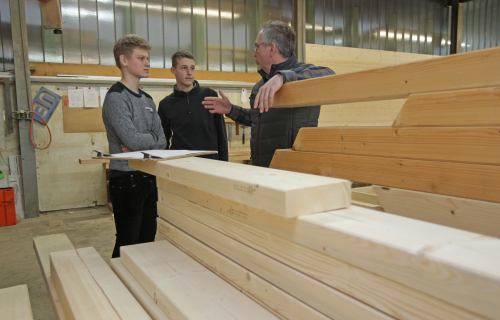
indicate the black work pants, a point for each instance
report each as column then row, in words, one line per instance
column 133, row 196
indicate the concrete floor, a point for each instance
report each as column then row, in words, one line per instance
column 18, row 263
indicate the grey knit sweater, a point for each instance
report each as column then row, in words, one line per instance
column 131, row 120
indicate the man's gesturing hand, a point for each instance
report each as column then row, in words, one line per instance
column 217, row 105
column 265, row 96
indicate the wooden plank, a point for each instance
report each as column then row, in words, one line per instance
column 80, row 296
column 394, row 82
column 93, row 160
column 51, row 14
column 245, row 280
column 467, row 108
column 454, row 144
column 53, row 69
column 321, row 297
column 122, row 301
column 472, row 181
column 15, row 303
column 471, row 215
column 365, row 195
column 411, row 252
column 135, row 288
column 43, row 246
column 81, row 119
column 390, row 297
column 283, row 193
column 183, row 288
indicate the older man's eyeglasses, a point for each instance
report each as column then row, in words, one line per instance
column 256, row 47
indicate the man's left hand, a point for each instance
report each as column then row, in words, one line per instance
column 265, row 96
column 125, row 149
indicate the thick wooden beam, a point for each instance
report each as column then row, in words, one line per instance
column 43, row 246
column 54, row 69
column 450, row 264
column 467, row 108
column 470, row 70
column 388, row 296
column 464, row 180
column 471, row 215
column 323, row 298
column 283, row 193
column 122, row 301
column 15, row 303
column 80, row 296
column 246, row 281
column 137, row 290
column 456, row 144
column 183, row 288
column 365, row 195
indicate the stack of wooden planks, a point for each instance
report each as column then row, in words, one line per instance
column 438, row 162
column 351, row 263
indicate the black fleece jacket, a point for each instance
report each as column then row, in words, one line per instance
column 190, row 125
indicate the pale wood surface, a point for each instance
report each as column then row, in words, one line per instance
column 81, row 119
column 183, row 288
column 312, row 292
column 454, row 144
column 443, row 74
column 51, row 14
column 135, row 288
column 15, row 303
column 80, row 296
column 53, row 69
column 284, row 304
column 122, row 301
column 283, row 193
column 365, row 195
column 468, row 108
column 471, row 215
column 473, row 181
column 43, row 246
column 407, row 251
column 390, row 297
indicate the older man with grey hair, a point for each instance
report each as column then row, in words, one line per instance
column 276, row 128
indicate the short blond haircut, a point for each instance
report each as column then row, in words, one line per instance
column 126, row 45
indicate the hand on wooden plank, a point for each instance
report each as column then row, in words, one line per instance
column 217, row 105
column 265, row 96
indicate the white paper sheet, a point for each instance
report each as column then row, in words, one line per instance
column 103, row 92
column 75, row 97
column 91, row 97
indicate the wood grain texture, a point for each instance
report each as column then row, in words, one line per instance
column 396, row 82
column 15, row 303
column 248, row 282
column 80, row 296
column 385, row 295
column 449, row 264
column 472, row 181
column 467, row 108
column 53, row 69
column 43, row 246
column 51, row 14
column 471, row 215
column 135, row 288
column 283, row 193
column 453, row 144
column 122, row 301
column 183, row 288
column 325, row 299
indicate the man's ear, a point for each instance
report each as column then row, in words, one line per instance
column 272, row 49
column 123, row 60
column 172, row 70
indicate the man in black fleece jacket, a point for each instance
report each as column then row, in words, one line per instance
column 183, row 117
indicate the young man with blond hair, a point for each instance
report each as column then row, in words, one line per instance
column 132, row 124
column 183, row 117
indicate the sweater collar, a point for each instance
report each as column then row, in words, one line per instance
column 179, row 93
column 285, row 65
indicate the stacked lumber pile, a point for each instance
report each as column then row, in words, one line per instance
column 438, row 162
column 351, row 263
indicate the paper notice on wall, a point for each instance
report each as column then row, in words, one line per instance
column 90, row 97
column 104, row 91
column 75, row 97
column 244, row 96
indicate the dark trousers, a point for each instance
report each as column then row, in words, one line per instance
column 133, row 196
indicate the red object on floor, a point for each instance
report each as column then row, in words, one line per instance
column 7, row 207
